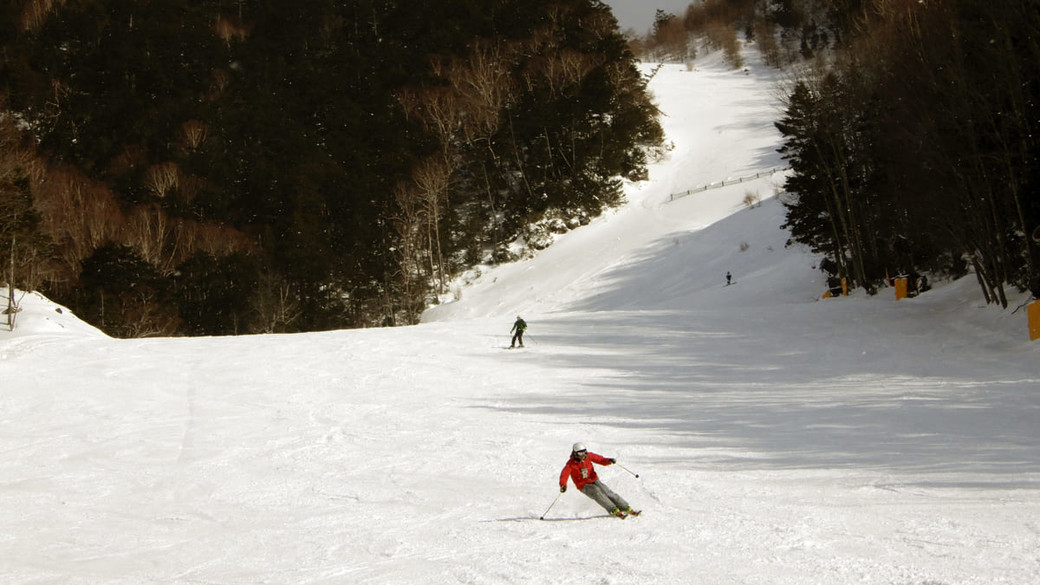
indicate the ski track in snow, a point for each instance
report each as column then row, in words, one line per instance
column 898, row 445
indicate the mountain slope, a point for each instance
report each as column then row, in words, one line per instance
column 715, row 138
column 778, row 439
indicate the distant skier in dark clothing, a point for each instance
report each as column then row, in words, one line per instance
column 519, row 327
column 729, row 278
column 579, row 469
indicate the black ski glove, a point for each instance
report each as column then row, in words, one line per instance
column 563, row 488
column 612, row 461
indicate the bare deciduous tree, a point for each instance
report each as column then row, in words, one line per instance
column 35, row 12
column 19, row 233
column 484, row 86
column 274, row 304
column 79, row 216
column 194, row 133
column 432, row 178
column 408, row 224
column 163, row 178
column 228, row 30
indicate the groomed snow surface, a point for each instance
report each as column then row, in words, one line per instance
column 778, row 438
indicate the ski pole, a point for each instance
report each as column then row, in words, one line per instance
column 628, row 470
column 551, row 505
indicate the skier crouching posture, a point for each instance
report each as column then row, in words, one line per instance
column 579, row 468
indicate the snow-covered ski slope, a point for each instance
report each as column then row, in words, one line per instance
column 779, row 439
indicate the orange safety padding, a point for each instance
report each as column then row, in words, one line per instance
column 1034, row 320
column 901, row 286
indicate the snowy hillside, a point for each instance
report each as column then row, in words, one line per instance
column 779, row 439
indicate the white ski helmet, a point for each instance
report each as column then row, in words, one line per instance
column 578, row 447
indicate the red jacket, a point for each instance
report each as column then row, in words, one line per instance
column 582, row 472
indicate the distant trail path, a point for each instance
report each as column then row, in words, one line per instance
column 711, row 134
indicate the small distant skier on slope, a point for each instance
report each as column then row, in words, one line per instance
column 580, row 470
column 729, row 278
column 519, row 327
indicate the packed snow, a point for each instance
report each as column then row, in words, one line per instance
column 778, row 438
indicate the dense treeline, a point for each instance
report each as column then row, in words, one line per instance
column 915, row 150
column 784, row 31
column 214, row 167
column 912, row 129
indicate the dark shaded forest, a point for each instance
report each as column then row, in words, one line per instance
column 916, row 149
column 228, row 167
column 912, row 128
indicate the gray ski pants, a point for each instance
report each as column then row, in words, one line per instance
column 604, row 496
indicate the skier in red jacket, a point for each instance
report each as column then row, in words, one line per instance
column 579, row 468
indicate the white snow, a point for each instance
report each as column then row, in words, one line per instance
column 778, row 438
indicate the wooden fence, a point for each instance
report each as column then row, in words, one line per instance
column 726, row 183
